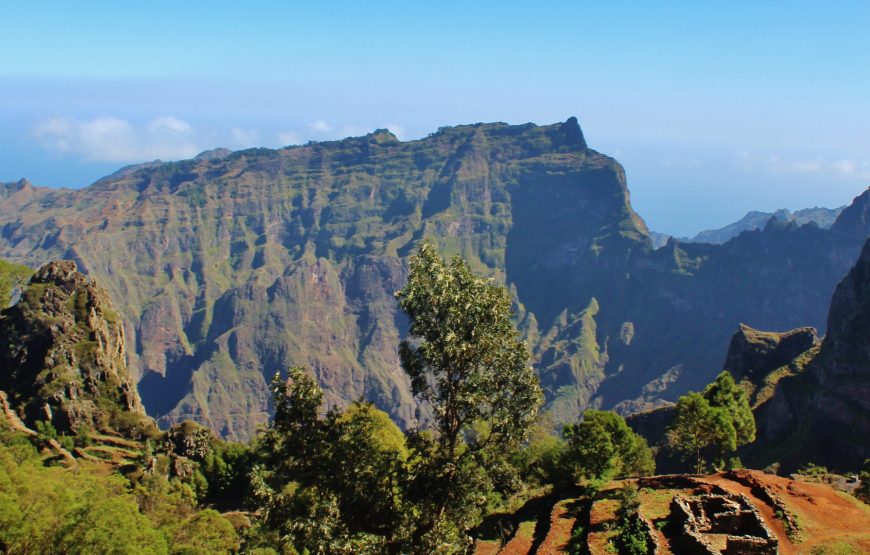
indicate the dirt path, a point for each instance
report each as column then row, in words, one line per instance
column 561, row 523
column 663, row 545
column 825, row 515
column 520, row 545
column 13, row 419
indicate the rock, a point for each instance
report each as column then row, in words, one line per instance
column 63, row 355
column 753, row 354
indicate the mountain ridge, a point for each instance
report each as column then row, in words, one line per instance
column 235, row 266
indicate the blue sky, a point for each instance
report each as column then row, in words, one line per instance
column 714, row 109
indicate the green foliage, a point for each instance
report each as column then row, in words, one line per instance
column 713, row 424
column 863, row 490
column 205, row 533
column 632, row 536
column 602, row 446
column 45, row 430
column 725, row 393
column 331, row 484
column 466, row 361
column 227, row 469
column 813, row 470
column 539, row 460
column 12, row 276
column 55, row 510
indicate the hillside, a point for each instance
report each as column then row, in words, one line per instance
column 229, row 267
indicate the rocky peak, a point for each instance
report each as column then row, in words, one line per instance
column 752, row 354
column 63, row 274
column 573, row 133
column 63, row 355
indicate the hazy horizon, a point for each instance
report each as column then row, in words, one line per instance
column 712, row 110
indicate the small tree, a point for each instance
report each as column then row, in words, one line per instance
column 726, row 394
column 631, row 536
column 715, row 422
column 602, row 446
column 466, row 360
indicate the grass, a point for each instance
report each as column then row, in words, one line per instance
column 655, row 505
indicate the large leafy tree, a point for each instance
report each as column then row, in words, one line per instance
column 467, row 362
column 602, row 446
column 329, row 483
column 713, row 423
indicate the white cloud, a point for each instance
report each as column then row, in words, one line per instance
column 846, row 167
column 807, row 166
column 112, row 139
column 773, row 163
column 169, row 123
column 320, row 126
column 55, row 134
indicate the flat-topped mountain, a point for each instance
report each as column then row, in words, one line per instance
column 231, row 266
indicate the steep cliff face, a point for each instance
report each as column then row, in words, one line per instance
column 811, row 400
column 231, row 267
column 62, row 358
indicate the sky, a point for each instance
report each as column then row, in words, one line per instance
column 713, row 108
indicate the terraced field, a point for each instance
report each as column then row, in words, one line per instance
column 800, row 517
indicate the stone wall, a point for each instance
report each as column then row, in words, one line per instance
column 733, row 515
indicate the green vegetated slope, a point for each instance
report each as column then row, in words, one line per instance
column 231, row 266
column 12, row 277
column 810, row 396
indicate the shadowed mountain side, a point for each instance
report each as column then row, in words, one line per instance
column 232, row 267
column 811, row 398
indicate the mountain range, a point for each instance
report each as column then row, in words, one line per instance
column 822, row 217
column 231, row 266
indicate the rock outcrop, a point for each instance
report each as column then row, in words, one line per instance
column 62, row 357
column 753, row 354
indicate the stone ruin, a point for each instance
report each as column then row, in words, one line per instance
column 720, row 524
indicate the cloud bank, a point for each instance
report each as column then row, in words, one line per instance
column 845, row 168
column 114, row 139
